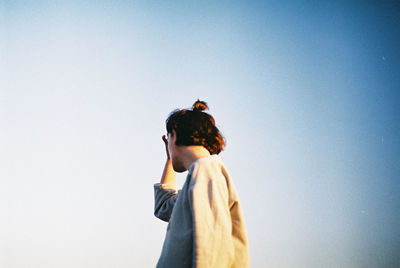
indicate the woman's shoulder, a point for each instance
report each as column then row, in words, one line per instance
column 207, row 169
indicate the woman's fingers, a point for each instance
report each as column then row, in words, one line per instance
column 165, row 139
column 166, row 145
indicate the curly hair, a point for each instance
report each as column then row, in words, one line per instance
column 195, row 127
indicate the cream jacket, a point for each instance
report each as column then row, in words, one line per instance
column 206, row 227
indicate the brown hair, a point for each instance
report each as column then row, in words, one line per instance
column 195, row 127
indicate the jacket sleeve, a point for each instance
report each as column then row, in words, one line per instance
column 164, row 200
column 212, row 225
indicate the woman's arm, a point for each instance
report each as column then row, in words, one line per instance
column 165, row 192
column 169, row 175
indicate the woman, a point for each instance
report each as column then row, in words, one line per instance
column 206, row 226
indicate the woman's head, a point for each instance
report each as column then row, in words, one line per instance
column 195, row 127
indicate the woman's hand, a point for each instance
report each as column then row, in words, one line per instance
column 169, row 175
column 164, row 138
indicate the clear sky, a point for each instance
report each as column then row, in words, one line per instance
column 306, row 93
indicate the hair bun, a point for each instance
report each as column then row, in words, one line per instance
column 199, row 106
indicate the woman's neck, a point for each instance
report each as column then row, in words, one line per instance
column 192, row 153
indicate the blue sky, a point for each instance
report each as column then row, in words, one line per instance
column 306, row 94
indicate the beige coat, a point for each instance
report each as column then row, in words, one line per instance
column 206, row 227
